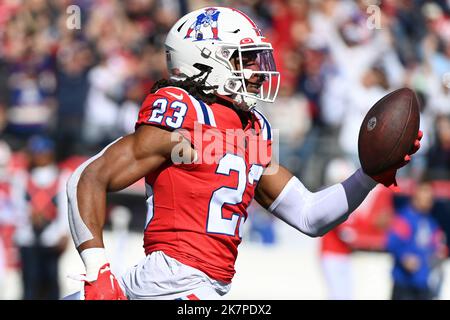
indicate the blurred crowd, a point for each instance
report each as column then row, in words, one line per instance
column 78, row 76
column 337, row 58
column 78, row 71
column 75, row 72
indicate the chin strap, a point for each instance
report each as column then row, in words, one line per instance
column 241, row 102
column 244, row 103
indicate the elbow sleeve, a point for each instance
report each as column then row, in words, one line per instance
column 80, row 232
column 78, row 229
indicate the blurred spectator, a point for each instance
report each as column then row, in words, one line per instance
column 440, row 95
column 262, row 226
column 74, row 60
column 408, row 27
column 102, row 103
column 42, row 231
column 27, row 49
column 346, row 104
column 371, row 220
column 291, row 107
column 129, row 109
column 2, row 265
column 440, row 59
column 439, row 154
column 3, row 95
column 365, row 229
column 334, row 249
column 31, row 101
column 353, row 46
column 6, row 214
column 417, row 244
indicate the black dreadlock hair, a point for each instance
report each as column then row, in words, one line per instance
column 196, row 88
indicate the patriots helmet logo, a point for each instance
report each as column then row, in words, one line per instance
column 205, row 21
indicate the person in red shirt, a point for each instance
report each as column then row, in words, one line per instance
column 8, row 251
column 366, row 229
column 205, row 152
column 334, row 248
column 41, row 224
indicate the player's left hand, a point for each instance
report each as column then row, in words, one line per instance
column 387, row 178
column 105, row 287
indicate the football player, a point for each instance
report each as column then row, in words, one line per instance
column 205, row 153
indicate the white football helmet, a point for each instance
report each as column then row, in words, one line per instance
column 206, row 39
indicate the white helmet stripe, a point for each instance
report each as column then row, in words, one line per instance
column 198, row 110
column 210, row 117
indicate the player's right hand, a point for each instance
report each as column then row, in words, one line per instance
column 105, row 287
column 387, row 178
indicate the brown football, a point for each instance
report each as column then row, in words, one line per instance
column 388, row 131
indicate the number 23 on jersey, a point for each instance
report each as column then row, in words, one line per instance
column 216, row 223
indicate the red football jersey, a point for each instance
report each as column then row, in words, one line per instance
column 196, row 211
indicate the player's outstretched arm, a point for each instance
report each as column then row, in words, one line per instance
column 313, row 213
column 119, row 165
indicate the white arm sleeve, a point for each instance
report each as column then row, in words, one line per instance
column 316, row 213
column 79, row 230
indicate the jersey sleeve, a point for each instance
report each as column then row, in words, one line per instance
column 170, row 108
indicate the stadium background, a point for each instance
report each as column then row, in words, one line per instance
column 82, row 86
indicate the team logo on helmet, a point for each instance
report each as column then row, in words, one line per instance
column 205, row 22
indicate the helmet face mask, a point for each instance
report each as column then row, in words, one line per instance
column 240, row 58
column 262, row 77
